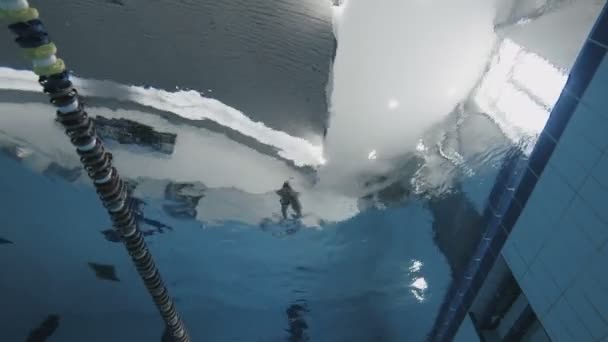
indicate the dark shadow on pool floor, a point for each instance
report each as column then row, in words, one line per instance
column 104, row 272
column 297, row 324
column 45, row 330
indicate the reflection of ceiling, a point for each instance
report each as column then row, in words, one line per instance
column 519, row 90
column 196, row 156
column 268, row 59
column 185, row 107
column 528, row 70
column 531, row 23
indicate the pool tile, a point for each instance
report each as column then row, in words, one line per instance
column 596, row 294
column 560, row 116
column 566, row 251
column 600, row 171
column 514, row 260
column 525, row 187
column 594, row 195
column 548, row 289
column 575, row 143
column 555, row 194
column 533, row 285
column 571, row 321
column 590, row 124
column 595, row 94
column 584, row 69
column 595, row 229
column 542, row 152
column 555, row 328
column 600, row 29
column 586, row 313
column 566, row 165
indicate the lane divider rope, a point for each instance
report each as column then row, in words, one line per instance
column 37, row 46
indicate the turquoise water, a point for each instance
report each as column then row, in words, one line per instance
column 376, row 276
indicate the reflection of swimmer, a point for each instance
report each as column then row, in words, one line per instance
column 138, row 208
column 289, row 197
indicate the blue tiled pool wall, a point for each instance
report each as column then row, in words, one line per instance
column 585, row 91
column 558, row 249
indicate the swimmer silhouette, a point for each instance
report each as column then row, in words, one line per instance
column 289, row 197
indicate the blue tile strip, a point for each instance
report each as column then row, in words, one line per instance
column 600, row 30
column 582, row 73
column 544, row 148
column 561, row 113
column 515, row 183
